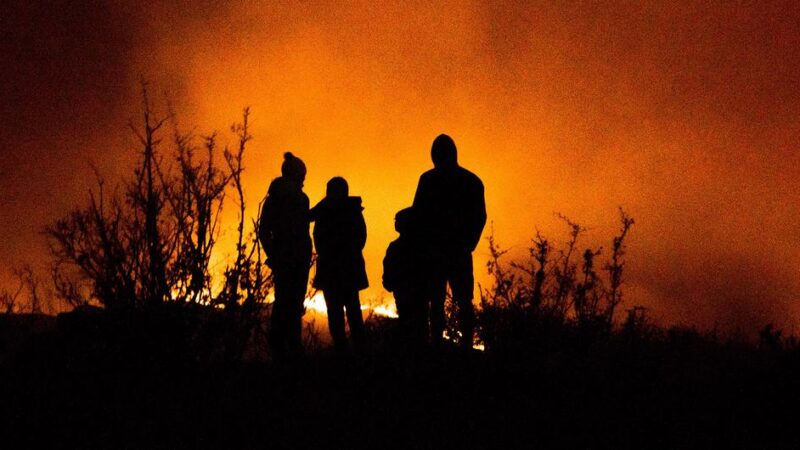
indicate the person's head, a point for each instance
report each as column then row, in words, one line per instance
column 293, row 168
column 337, row 188
column 404, row 220
column 443, row 152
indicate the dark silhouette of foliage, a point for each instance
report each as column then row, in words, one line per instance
column 27, row 283
column 550, row 291
column 149, row 241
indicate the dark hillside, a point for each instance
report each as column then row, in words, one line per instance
column 123, row 388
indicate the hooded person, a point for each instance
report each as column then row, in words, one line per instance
column 284, row 235
column 450, row 207
column 339, row 237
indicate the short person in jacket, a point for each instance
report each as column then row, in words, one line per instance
column 339, row 236
column 283, row 233
column 404, row 276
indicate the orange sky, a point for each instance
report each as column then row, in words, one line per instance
column 684, row 114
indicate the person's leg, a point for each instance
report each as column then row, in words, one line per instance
column 335, row 306
column 403, row 316
column 279, row 318
column 417, row 322
column 298, row 287
column 400, row 303
column 462, row 284
column 435, row 292
column 354, row 319
column 287, row 312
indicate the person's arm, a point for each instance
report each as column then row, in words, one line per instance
column 265, row 223
column 305, row 224
column 422, row 193
column 361, row 231
column 305, row 208
column 319, row 237
column 313, row 213
column 389, row 274
column 478, row 215
column 319, row 226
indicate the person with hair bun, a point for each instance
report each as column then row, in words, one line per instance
column 283, row 231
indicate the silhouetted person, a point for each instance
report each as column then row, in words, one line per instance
column 283, row 232
column 452, row 212
column 339, row 236
column 404, row 275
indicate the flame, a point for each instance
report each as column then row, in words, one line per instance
column 203, row 297
column 475, row 345
column 385, row 310
column 316, row 303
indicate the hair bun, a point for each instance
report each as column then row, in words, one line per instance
column 288, row 155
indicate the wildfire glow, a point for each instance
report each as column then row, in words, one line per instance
column 683, row 112
column 316, row 303
column 386, row 310
column 475, row 345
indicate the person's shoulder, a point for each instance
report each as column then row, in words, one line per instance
column 391, row 250
column 317, row 210
column 285, row 187
column 354, row 205
column 276, row 185
column 465, row 173
column 430, row 173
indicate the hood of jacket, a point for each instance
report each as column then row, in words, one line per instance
column 328, row 206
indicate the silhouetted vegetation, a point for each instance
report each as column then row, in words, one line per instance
column 145, row 246
column 27, row 288
column 552, row 291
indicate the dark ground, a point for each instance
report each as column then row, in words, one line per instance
column 67, row 389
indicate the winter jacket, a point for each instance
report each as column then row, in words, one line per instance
column 339, row 236
column 401, row 265
column 283, row 226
